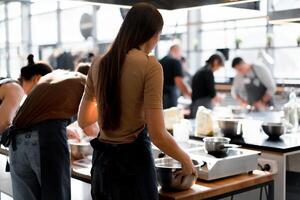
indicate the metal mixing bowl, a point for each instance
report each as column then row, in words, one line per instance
column 273, row 130
column 80, row 150
column 168, row 179
column 230, row 127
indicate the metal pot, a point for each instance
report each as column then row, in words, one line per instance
column 80, row 150
column 167, row 177
column 231, row 127
column 217, row 145
column 273, row 130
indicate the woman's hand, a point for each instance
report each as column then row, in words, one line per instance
column 188, row 167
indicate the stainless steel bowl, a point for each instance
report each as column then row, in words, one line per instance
column 273, row 130
column 80, row 150
column 218, row 146
column 230, row 127
column 168, row 179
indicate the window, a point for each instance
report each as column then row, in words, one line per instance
column 14, row 9
column 2, row 12
column 43, row 7
column 14, row 30
column 286, row 34
column 44, row 29
column 109, row 20
column 3, row 35
column 70, row 24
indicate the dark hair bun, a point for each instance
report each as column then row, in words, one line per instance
column 30, row 59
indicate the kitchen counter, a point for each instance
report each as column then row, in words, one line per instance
column 254, row 138
column 204, row 189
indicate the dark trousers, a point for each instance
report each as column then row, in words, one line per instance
column 40, row 163
column 124, row 171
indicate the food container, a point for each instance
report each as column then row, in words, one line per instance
column 80, row 150
column 273, row 130
column 167, row 177
column 217, row 145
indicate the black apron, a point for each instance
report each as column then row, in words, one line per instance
column 170, row 97
column 124, row 171
column 255, row 89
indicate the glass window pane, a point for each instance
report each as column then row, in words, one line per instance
column 14, row 9
column 2, row 63
column 42, row 7
column 252, row 37
column 71, row 4
column 14, row 30
column 15, row 61
column 44, row 29
column 2, row 33
column 2, row 14
column 286, row 4
column 108, row 29
column 287, row 63
column 286, row 34
column 70, row 24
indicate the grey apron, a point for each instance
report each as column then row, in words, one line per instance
column 255, row 90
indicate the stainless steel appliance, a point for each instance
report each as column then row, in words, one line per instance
column 236, row 161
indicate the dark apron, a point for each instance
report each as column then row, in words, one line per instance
column 123, row 171
column 170, row 97
column 55, row 160
column 205, row 101
column 256, row 90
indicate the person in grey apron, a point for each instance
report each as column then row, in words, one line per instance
column 255, row 90
column 253, row 84
column 203, row 84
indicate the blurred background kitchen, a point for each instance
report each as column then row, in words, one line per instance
column 265, row 33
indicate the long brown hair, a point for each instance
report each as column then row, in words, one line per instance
column 141, row 23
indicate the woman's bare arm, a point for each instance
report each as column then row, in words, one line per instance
column 164, row 141
column 12, row 97
column 88, row 116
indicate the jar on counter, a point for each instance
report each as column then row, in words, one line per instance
column 291, row 113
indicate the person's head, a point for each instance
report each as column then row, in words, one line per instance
column 216, row 61
column 240, row 65
column 175, row 51
column 32, row 72
column 140, row 29
column 83, row 68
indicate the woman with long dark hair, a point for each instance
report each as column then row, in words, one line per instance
column 123, row 95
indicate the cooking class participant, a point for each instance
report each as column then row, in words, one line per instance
column 11, row 94
column 123, row 95
column 253, row 85
column 31, row 74
column 39, row 155
column 203, row 84
column 173, row 77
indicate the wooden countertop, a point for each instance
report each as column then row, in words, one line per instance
column 202, row 189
